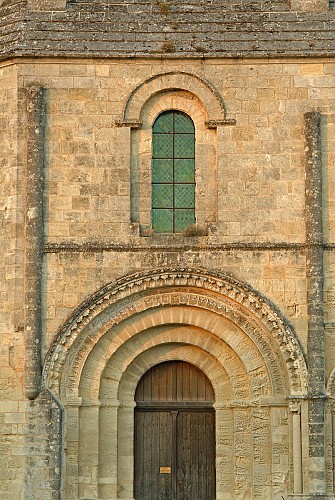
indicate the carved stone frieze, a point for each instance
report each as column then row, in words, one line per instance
column 134, row 124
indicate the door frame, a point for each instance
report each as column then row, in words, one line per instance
column 151, row 396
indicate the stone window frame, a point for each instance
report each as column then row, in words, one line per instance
column 205, row 161
column 196, row 97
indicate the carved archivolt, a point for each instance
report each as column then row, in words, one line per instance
column 148, row 299
column 331, row 384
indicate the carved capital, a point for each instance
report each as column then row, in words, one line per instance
column 213, row 124
column 294, row 407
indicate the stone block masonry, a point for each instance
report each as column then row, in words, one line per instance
column 151, row 29
column 91, row 297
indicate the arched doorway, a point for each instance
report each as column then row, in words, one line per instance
column 174, row 434
column 224, row 328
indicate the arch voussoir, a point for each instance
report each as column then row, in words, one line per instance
column 161, row 292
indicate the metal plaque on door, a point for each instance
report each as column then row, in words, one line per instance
column 165, row 470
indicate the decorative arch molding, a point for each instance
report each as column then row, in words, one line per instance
column 173, row 337
column 175, row 80
column 211, row 367
column 253, row 372
column 224, row 327
column 331, row 384
column 148, row 291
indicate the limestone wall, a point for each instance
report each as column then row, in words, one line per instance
column 96, row 165
column 259, row 167
column 13, row 421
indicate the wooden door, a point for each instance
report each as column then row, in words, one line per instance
column 174, row 434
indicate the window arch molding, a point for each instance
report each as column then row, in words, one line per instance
column 188, row 103
column 174, row 80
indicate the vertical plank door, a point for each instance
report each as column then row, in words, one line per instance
column 174, row 434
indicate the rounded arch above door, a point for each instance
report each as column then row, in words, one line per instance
column 174, row 382
column 225, row 328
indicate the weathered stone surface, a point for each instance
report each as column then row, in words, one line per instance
column 172, row 29
column 91, row 292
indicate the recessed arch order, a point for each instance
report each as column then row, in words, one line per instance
column 223, row 327
column 229, row 311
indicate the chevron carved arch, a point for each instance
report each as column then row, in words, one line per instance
column 165, row 289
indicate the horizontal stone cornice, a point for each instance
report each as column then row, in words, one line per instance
column 185, row 244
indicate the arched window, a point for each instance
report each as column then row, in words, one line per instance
column 173, row 173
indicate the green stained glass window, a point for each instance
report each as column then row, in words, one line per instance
column 164, row 124
column 162, row 196
column 184, row 171
column 184, row 145
column 162, row 220
column 183, row 218
column 162, row 171
column 184, row 195
column 163, row 146
column 173, row 172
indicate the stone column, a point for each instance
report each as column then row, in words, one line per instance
column 34, row 183
column 123, row 137
column 89, row 448
column 125, row 442
column 332, row 406
column 224, row 450
column 296, row 446
column 108, row 446
column 71, row 447
column 314, row 279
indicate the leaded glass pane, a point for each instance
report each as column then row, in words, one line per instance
column 183, row 146
column 173, row 173
column 162, row 220
column 184, row 171
column 162, row 196
column 183, row 123
column 164, row 124
column 162, row 170
column 184, row 195
column 183, row 219
column 162, row 146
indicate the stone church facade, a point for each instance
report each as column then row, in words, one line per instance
column 167, row 207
